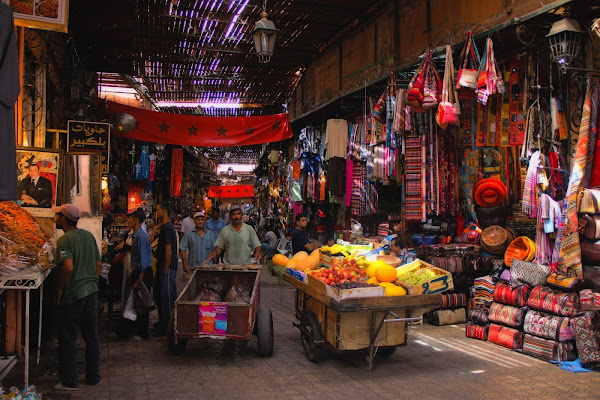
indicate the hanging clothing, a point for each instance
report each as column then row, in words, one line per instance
column 336, row 176
column 152, row 167
column 337, row 138
column 137, row 170
column 145, row 162
column 9, row 82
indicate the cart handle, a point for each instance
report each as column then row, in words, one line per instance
column 413, row 319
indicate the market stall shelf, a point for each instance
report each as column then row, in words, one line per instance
column 377, row 324
column 221, row 302
column 28, row 280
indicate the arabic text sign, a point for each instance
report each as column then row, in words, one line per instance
column 87, row 137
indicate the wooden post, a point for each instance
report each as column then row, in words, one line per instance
column 39, row 134
column 13, row 322
column 19, row 108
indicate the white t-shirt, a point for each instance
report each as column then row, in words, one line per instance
column 272, row 238
column 337, row 138
column 187, row 224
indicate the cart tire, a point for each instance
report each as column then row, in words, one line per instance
column 264, row 332
column 310, row 334
column 174, row 348
column 386, row 351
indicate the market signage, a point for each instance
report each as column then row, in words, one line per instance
column 201, row 131
column 50, row 15
column 89, row 138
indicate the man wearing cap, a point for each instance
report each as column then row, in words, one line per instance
column 77, row 294
column 238, row 240
column 141, row 270
column 196, row 245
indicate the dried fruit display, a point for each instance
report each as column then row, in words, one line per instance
column 21, row 239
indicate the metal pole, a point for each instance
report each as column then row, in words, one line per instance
column 26, row 337
column 39, row 346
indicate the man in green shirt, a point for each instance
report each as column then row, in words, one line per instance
column 77, row 295
column 238, row 240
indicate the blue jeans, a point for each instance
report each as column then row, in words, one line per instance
column 83, row 315
column 266, row 247
column 167, row 294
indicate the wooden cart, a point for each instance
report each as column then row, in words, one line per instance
column 243, row 319
column 377, row 324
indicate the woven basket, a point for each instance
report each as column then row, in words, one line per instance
column 518, row 249
column 495, row 238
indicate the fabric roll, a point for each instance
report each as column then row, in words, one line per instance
column 548, row 300
column 505, row 294
column 454, row 265
column 506, row 337
column 476, row 332
column 453, row 300
column 479, row 316
column 507, row 315
column 548, row 350
column 548, row 326
column 590, row 301
column 447, row 317
column 587, row 339
column 483, row 290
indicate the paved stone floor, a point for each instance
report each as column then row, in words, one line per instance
column 437, row 363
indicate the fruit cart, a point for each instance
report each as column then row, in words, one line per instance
column 377, row 324
column 239, row 319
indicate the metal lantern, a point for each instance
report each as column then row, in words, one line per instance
column 264, row 35
column 229, row 171
column 565, row 42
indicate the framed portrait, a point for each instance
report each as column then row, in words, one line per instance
column 39, row 173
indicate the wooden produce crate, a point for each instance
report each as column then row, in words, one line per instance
column 352, row 330
column 342, row 294
column 441, row 283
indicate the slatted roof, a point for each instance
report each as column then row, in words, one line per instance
column 202, row 50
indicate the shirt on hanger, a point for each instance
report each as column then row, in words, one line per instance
column 337, row 138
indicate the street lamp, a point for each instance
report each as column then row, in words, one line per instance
column 264, row 35
column 565, row 42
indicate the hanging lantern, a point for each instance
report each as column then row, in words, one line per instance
column 264, row 35
column 565, row 42
column 230, row 171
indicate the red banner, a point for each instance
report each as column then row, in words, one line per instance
column 194, row 130
column 231, row 192
column 176, row 172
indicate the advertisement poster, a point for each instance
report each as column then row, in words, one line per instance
column 50, row 15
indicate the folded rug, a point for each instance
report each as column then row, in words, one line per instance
column 548, row 326
column 507, row 315
column 549, row 350
column 479, row 316
column 505, row 294
column 476, row 332
column 453, row 300
column 585, row 328
column 447, row 317
column 543, row 298
column 504, row 336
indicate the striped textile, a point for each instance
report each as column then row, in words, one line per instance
column 505, row 294
column 507, row 315
column 447, row 317
column 454, row 265
column 413, row 199
column 476, row 332
column 549, row 350
column 469, row 171
column 453, row 300
column 479, row 316
column 483, row 290
column 569, row 261
column 548, row 326
column 548, row 300
column 587, row 338
column 504, row 336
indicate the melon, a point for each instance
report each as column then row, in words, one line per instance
column 373, row 267
column 280, row 260
column 301, row 255
column 394, row 290
column 373, row 280
column 386, row 273
column 294, row 263
column 313, row 261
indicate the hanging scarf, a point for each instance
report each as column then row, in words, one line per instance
column 529, row 205
column 569, row 261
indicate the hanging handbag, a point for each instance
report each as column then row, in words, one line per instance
column 432, row 88
column 414, row 92
column 589, row 226
column 467, row 77
column 379, row 111
column 448, row 110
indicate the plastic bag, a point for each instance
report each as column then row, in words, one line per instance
column 143, row 300
column 216, row 285
column 239, row 293
column 357, row 230
column 129, row 311
column 207, row 295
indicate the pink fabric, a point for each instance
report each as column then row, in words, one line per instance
column 349, row 167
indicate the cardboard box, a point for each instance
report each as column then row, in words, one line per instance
column 441, row 283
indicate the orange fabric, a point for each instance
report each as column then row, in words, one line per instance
column 322, row 187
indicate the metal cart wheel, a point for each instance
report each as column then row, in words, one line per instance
column 174, row 348
column 386, row 351
column 264, row 332
column 310, row 332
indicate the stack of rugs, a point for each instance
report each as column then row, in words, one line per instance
column 483, row 292
column 452, row 310
column 586, row 329
column 536, row 320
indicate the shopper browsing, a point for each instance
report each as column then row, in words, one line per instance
column 77, row 295
column 300, row 240
column 166, row 267
column 238, row 241
column 215, row 223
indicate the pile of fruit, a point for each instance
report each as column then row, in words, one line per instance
column 336, row 250
column 417, row 277
column 340, row 274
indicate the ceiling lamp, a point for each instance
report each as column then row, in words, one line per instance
column 565, row 42
column 264, row 35
column 230, row 171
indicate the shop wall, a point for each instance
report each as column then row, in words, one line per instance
column 394, row 38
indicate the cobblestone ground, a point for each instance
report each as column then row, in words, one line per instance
column 437, row 363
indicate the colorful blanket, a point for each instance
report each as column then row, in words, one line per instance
column 549, row 350
column 453, row 300
column 548, row 326
column 454, row 265
column 507, row 315
column 479, row 316
column 483, row 290
column 590, row 301
column 587, row 339
column 505, row 294
column 548, row 300
column 504, row 336
column 476, row 332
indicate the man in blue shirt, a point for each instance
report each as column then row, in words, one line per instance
column 215, row 224
column 196, row 245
